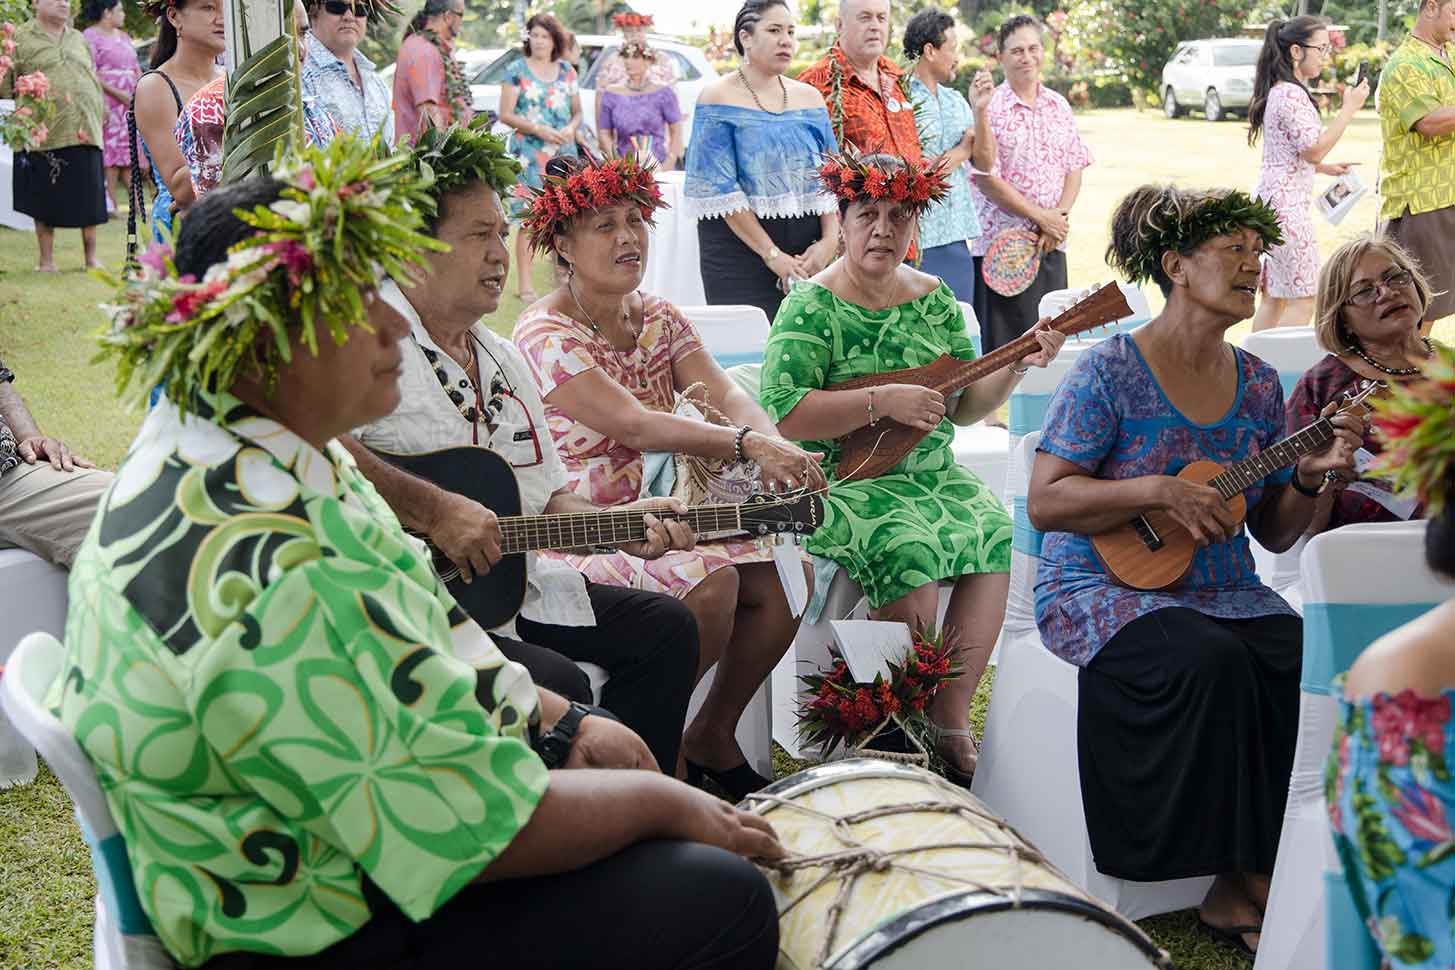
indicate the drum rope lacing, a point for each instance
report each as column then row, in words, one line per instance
column 858, row 859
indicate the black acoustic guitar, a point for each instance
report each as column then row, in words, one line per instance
column 485, row 477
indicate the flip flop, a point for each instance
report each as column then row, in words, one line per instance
column 1231, row 936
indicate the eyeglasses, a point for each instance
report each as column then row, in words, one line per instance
column 338, row 8
column 1324, row 49
column 1396, row 280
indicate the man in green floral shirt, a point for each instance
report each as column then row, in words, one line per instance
column 313, row 757
column 1416, row 102
column 61, row 182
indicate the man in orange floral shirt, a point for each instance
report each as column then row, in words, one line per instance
column 865, row 91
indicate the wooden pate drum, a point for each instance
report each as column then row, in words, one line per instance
column 891, row 866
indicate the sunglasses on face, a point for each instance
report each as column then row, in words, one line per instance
column 338, row 8
column 1389, row 282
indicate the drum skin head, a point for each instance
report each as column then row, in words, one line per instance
column 965, row 890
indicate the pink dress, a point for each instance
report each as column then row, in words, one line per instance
column 116, row 65
column 557, row 348
column 1291, row 126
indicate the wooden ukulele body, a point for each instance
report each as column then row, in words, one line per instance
column 874, row 449
column 1159, row 555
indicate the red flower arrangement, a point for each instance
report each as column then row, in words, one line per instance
column 836, row 709
column 853, row 178
column 601, row 183
column 632, row 20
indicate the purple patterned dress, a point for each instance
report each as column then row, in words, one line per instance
column 635, row 118
column 116, row 65
column 1110, row 417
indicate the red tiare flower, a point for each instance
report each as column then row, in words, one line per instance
column 186, row 304
column 1396, row 426
column 294, row 258
column 899, row 186
column 876, row 183
column 920, row 190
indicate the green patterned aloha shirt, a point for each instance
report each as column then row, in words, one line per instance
column 258, row 664
column 927, row 518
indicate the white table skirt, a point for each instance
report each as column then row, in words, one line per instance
column 672, row 271
column 8, row 216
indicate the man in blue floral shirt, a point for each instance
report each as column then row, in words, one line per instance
column 343, row 80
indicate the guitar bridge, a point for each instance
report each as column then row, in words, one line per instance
column 1147, row 534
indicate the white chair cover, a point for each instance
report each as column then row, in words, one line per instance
column 674, row 270
column 1346, row 607
column 122, row 937
column 1291, row 351
column 32, row 597
column 732, row 334
column 1028, row 770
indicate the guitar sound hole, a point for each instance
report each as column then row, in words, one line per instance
column 1147, row 534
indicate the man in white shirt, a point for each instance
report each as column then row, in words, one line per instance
column 463, row 385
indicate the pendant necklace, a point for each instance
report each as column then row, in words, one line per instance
column 641, row 376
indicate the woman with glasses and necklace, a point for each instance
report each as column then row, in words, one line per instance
column 541, row 100
column 1371, row 299
column 1295, row 144
column 341, row 78
column 611, row 362
column 752, row 161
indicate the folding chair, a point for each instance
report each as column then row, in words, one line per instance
column 32, row 597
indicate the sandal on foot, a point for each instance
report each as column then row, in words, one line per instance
column 953, row 773
column 737, row 782
column 1231, row 936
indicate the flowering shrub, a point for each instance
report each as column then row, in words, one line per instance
column 28, row 126
column 1137, row 36
column 835, row 709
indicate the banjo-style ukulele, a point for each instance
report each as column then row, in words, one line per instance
column 1154, row 550
column 874, row 449
column 480, row 474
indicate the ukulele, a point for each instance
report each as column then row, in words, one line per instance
column 1154, row 550
column 874, row 449
column 484, row 476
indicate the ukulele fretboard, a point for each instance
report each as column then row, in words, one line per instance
column 577, row 530
column 1238, row 477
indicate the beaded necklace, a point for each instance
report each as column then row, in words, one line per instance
column 1358, row 348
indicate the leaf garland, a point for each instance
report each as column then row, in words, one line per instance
column 448, row 158
column 457, row 89
column 345, row 220
column 1222, row 214
column 1415, row 423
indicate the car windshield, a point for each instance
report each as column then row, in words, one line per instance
column 1236, row 55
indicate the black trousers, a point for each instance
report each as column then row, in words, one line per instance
column 1186, row 726
column 646, row 642
column 667, row 905
column 1004, row 318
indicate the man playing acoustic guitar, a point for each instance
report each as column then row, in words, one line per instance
column 1188, row 690
column 463, row 385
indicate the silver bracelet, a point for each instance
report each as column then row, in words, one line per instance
column 1022, row 372
column 870, row 408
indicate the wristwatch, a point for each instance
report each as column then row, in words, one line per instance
column 554, row 747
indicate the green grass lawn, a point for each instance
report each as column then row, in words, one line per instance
column 46, row 322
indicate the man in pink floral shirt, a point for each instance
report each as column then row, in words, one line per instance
column 1034, row 182
column 429, row 87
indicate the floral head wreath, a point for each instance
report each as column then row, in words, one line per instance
column 448, row 158
column 344, row 220
column 632, row 20
column 601, row 183
column 1220, row 214
column 635, row 49
column 854, row 178
column 1416, row 423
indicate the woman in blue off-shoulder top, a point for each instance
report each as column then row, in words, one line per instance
column 752, row 163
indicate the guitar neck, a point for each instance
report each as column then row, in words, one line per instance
column 1235, row 478
column 973, row 370
column 578, row 530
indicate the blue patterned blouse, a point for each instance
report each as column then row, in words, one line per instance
column 943, row 118
column 742, row 158
column 1110, row 417
column 1390, row 793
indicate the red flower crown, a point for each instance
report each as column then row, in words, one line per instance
column 853, row 178
column 601, row 183
column 632, row 20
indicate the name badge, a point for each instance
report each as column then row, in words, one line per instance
column 894, row 104
column 523, row 435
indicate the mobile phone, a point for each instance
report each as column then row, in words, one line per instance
column 1362, row 74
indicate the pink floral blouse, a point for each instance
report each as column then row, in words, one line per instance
column 1037, row 146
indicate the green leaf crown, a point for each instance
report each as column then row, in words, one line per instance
column 1220, row 214
column 345, row 220
column 453, row 157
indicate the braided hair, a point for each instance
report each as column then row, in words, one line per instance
column 747, row 20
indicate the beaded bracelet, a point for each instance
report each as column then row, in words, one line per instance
column 738, row 443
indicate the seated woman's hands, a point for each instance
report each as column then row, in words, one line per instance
column 601, row 742
column 1338, row 455
column 1200, row 509
column 712, row 821
column 782, row 465
column 917, row 407
column 662, row 534
column 1051, row 342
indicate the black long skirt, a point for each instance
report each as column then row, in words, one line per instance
column 1004, row 318
column 733, row 274
column 64, row 189
column 1185, row 735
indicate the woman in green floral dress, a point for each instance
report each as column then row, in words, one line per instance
column 927, row 519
